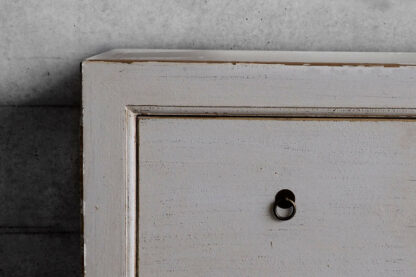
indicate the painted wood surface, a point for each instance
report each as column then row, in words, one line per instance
column 111, row 88
column 283, row 57
column 206, row 186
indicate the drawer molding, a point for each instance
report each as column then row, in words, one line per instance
column 247, row 111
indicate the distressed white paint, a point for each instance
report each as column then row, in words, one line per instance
column 206, row 186
column 111, row 89
column 130, row 55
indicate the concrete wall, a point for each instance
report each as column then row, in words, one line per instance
column 41, row 46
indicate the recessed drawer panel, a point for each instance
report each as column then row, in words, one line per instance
column 207, row 186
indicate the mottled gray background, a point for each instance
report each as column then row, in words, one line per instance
column 41, row 46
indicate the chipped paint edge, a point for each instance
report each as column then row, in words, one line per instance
column 291, row 58
column 235, row 111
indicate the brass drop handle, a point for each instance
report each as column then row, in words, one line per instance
column 284, row 199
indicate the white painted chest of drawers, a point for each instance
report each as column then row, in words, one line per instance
column 184, row 152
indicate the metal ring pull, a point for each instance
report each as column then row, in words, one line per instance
column 285, row 199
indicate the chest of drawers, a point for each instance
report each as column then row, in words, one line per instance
column 185, row 153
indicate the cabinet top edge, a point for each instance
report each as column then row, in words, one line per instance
column 316, row 58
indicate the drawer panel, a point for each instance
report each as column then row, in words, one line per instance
column 206, row 188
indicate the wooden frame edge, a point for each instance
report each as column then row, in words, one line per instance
column 236, row 111
column 131, row 193
column 133, row 112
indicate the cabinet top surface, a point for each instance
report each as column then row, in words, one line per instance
column 260, row 57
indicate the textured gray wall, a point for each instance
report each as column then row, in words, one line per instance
column 41, row 46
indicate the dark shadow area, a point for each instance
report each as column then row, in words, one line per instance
column 40, row 188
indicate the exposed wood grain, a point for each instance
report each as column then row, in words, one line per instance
column 271, row 57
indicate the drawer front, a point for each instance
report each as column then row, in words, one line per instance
column 206, row 189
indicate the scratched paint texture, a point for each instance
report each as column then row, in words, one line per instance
column 206, row 186
column 41, row 46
